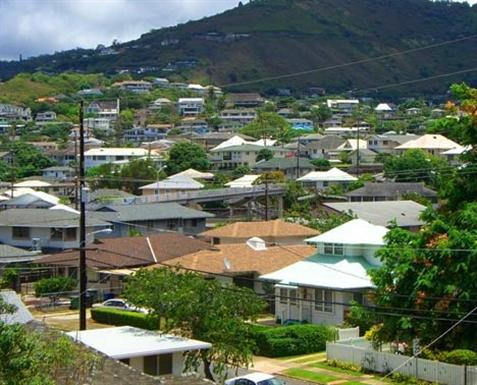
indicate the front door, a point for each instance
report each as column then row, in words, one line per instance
column 306, row 305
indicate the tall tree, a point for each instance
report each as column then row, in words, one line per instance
column 268, row 125
column 186, row 155
column 203, row 309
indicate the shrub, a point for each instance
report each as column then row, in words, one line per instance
column 54, row 285
column 118, row 317
column 459, row 357
column 292, row 340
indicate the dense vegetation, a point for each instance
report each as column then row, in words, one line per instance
column 283, row 36
column 118, row 317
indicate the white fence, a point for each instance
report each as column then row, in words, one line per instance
column 361, row 354
column 347, row 334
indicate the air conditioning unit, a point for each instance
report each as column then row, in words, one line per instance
column 36, row 244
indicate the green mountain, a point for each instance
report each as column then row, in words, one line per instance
column 268, row 38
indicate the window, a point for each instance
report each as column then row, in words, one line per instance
column 323, row 300
column 283, row 296
column 385, row 142
column 20, row 232
column 194, row 222
column 56, row 234
column 150, row 365
column 70, row 234
column 333, row 248
column 165, row 364
column 293, row 296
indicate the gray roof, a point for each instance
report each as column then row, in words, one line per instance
column 108, row 194
column 401, row 139
column 328, row 142
column 21, row 315
column 45, row 218
column 10, row 254
column 149, row 211
column 406, row 213
column 392, row 190
column 283, row 163
column 59, row 168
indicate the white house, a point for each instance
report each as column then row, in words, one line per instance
column 240, row 115
column 434, row 144
column 102, row 124
column 190, row 106
column 159, row 103
column 97, row 156
column 135, row 86
column 150, row 352
column 384, row 111
column 343, row 107
column 323, row 179
column 58, row 172
column 45, row 117
column 320, row 288
column 175, row 183
column 245, row 181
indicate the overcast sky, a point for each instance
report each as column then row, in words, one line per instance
column 33, row 27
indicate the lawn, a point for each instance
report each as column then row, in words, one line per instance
column 324, row 365
column 354, row 383
column 304, row 358
column 306, row 375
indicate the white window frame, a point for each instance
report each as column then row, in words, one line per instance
column 333, row 248
column 323, row 300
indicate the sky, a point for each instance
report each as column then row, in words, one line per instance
column 33, row 27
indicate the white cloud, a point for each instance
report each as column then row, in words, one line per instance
column 32, row 27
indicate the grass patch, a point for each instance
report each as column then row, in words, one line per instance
column 306, row 375
column 354, row 383
column 304, row 358
column 324, row 365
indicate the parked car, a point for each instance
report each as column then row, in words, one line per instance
column 121, row 304
column 255, row 379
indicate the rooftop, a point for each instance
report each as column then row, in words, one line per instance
column 127, row 342
column 334, row 174
column 391, row 189
column 117, row 151
column 284, row 163
column 174, row 182
column 430, row 142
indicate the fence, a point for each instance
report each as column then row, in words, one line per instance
column 358, row 352
column 348, row 334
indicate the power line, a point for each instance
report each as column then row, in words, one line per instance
column 343, row 65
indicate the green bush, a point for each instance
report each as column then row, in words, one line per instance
column 124, row 318
column 54, row 286
column 459, row 357
column 292, row 340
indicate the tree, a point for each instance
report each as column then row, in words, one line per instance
column 264, row 154
column 28, row 160
column 414, row 165
column 203, row 309
column 240, row 171
column 137, row 173
column 320, row 114
column 321, row 164
column 185, row 155
column 107, row 175
column 270, row 177
column 268, row 125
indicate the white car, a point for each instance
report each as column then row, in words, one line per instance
column 255, row 379
column 117, row 303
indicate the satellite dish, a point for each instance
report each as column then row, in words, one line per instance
column 227, row 264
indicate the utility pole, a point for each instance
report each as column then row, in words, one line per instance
column 266, row 199
column 76, row 172
column 82, row 241
column 357, row 153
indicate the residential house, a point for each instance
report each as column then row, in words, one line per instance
column 26, row 198
column 413, row 111
column 149, row 218
column 310, row 138
column 244, row 154
column 210, row 140
column 243, row 115
column 292, row 167
column 146, row 134
column 190, row 124
column 58, row 172
column 321, row 288
column 323, row 179
column 62, row 157
column 344, row 131
column 434, row 144
column 104, row 109
column 406, row 214
column 387, row 143
column 245, row 181
column 190, row 106
column 334, row 121
column 172, row 184
column 161, row 82
column 364, row 155
column 390, row 191
column 242, row 263
column 244, row 100
column 342, row 107
column 49, row 229
column 197, row 89
column 454, row 156
column 98, row 156
column 301, row 124
column 134, row 86
column 90, row 92
column 12, row 112
column 10, row 255
column 109, row 260
column 384, row 111
column 150, row 352
column 273, row 232
column 45, row 117
column 100, row 124
column 194, row 174
column 159, row 103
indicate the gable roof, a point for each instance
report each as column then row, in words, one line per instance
column 353, row 232
column 107, row 253
column 334, row 174
column 32, row 197
column 330, row 272
column 429, row 142
column 149, row 211
column 10, row 254
column 391, row 189
column 405, row 213
column 327, row 142
column 242, row 182
column 174, row 182
column 283, row 163
column 194, row 174
column 45, row 218
column 262, row 229
column 241, row 258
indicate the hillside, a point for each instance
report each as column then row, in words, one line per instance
column 274, row 37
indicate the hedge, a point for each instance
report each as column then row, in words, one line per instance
column 292, row 340
column 123, row 317
column 459, row 357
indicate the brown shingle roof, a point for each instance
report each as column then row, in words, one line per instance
column 129, row 251
column 262, row 229
column 242, row 259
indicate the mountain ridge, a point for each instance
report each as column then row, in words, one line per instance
column 274, row 37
